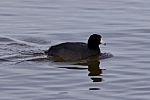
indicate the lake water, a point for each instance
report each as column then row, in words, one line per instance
column 29, row 27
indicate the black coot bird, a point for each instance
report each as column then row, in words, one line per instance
column 75, row 51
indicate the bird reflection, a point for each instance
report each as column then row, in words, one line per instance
column 94, row 70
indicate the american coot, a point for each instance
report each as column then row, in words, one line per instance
column 75, row 51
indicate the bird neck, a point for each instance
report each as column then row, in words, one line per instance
column 94, row 47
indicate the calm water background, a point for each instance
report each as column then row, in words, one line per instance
column 28, row 27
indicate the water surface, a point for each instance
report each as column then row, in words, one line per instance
column 29, row 27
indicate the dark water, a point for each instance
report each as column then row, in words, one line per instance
column 28, row 27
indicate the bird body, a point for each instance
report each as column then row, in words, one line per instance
column 72, row 51
column 75, row 51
